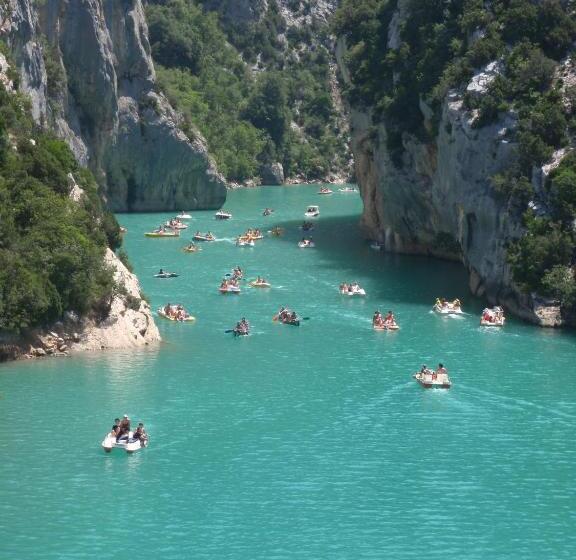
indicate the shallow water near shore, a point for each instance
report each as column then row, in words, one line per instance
column 295, row 443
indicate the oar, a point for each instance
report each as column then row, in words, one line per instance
column 229, row 331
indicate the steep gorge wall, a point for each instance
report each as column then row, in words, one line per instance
column 439, row 199
column 87, row 68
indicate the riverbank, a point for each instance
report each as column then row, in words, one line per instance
column 128, row 324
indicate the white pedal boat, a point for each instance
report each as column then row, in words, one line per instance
column 382, row 327
column 245, row 242
column 229, row 290
column 129, row 445
column 312, row 212
column 184, row 216
column 431, row 380
column 306, row 244
column 186, row 319
column 448, row 309
column 221, row 215
column 176, row 226
column 492, row 317
column 355, row 292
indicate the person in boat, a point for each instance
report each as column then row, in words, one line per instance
column 167, row 309
column 293, row 317
column 140, row 433
column 115, row 428
column 123, row 428
column 377, row 318
column 161, row 271
column 456, row 304
column 389, row 319
column 440, row 370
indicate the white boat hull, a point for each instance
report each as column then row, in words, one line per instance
column 433, row 381
column 358, row 292
column 129, row 445
column 447, row 310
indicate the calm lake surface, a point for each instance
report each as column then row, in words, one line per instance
column 296, row 443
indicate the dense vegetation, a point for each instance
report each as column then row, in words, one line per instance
column 253, row 99
column 439, row 48
column 51, row 248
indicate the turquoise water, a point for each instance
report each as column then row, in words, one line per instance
column 296, row 443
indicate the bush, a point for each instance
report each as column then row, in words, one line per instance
column 559, row 282
column 51, row 248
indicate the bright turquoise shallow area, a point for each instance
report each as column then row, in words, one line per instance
column 296, row 443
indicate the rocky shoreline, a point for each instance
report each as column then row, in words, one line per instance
column 129, row 324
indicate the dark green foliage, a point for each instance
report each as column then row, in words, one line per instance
column 244, row 116
column 267, row 108
column 544, row 246
column 562, row 190
column 560, row 283
column 51, row 248
column 443, row 43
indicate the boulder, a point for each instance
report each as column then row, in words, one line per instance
column 272, row 174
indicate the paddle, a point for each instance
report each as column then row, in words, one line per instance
column 229, row 331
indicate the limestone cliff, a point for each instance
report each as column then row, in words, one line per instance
column 433, row 194
column 87, row 68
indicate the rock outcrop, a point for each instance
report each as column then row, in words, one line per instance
column 129, row 324
column 272, row 174
column 439, row 199
column 87, row 68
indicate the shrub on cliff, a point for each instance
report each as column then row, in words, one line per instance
column 204, row 67
column 51, row 248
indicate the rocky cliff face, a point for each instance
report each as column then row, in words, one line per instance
column 87, row 68
column 439, row 199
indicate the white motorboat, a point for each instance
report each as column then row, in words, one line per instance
column 348, row 190
column 312, row 212
column 221, row 215
column 376, row 246
column 306, row 244
column 130, row 445
column 184, row 216
column 432, row 380
column 166, row 275
column 325, row 190
column 207, row 237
